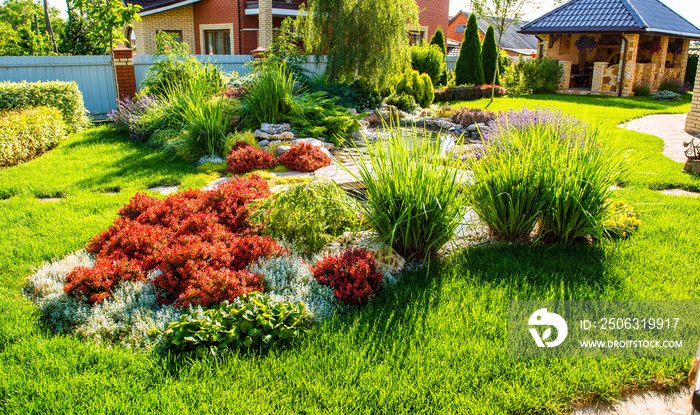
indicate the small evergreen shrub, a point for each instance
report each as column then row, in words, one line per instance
column 468, row 93
column 403, row 102
column 352, row 275
column 353, row 95
column 252, row 321
column 533, row 76
column 490, row 56
column 666, row 96
column 310, row 215
column 248, row 158
column 304, row 157
column 246, row 136
column 429, row 59
column 27, row 133
column 642, row 90
column 64, row 96
column 468, row 116
column 438, row 40
column 418, row 86
column 444, row 112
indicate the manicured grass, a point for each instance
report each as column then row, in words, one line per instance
column 436, row 343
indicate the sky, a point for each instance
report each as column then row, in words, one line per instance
column 690, row 9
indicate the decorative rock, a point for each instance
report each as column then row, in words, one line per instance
column 325, row 151
column 276, row 137
column 329, row 146
column 472, row 128
column 475, row 134
column 352, row 111
column 313, row 141
column 268, row 128
column 263, row 143
column 364, row 122
column 261, row 135
column 373, row 118
column 287, row 135
column 281, row 150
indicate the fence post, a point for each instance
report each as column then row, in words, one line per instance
column 125, row 77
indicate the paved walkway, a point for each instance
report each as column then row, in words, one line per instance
column 644, row 403
column 669, row 127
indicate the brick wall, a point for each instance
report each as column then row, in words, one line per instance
column 692, row 124
column 213, row 14
column 179, row 18
column 433, row 13
column 460, row 19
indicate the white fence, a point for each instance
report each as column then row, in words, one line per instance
column 93, row 74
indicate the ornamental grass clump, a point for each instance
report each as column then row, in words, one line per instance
column 552, row 173
column 414, row 202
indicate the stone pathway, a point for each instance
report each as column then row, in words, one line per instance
column 643, row 403
column 669, row 127
column 679, row 192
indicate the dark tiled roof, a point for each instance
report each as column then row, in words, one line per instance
column 147, row 5
column 614, row 16
column 511, row 38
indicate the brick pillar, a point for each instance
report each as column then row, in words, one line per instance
column 122, row 58
column 565, row 81
column 659, row 61
column 630, row 63
column 692, row 123
column 265, row 24
column 598, row 73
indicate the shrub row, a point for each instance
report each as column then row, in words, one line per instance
column 468, row 93
column 64, row 96
column 26, row 133
column 533, row 76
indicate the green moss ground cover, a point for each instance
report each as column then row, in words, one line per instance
column 436, row 343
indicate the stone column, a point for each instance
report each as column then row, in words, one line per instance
column 265, row 24
column 125, row 76
column 598, row 73
column 659, row 61
column 692, row 123
column 565, row 82
column 545, row 46
column 684, row 58
column 630, row 63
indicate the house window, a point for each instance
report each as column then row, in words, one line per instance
column 415, row 38
column 218, row 42
column 461, row 28
column 175, row 35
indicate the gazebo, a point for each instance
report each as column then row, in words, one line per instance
column 608, row 47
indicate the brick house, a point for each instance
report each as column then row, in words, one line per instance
column 237, row 27
column 513, row 43
column 634, row 42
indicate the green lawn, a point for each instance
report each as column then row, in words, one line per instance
column 436, row 343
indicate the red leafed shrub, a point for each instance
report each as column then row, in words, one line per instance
column 304, row 157
column 249, row 158
column 209, row 287
column 196, row 239
column 93, row 285
column 352, row 275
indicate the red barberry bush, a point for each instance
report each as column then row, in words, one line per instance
column 352, row 275
column 248, row 158
column 200, row 242
column 304, row 157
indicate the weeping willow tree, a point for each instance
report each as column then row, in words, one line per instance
column 366, row 40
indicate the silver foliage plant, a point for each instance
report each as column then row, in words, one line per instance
column 124, row 318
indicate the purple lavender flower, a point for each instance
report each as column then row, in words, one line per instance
column 675, row 48
column 566, row 127
column 586, row 42
column 128, row 115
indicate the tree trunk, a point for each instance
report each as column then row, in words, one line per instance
column 48, row 27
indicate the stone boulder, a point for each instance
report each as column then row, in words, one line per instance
column 281, row 150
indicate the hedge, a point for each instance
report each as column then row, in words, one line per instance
column 64, row 96
column 27, row 133
column 692, row 69
column 468, row 93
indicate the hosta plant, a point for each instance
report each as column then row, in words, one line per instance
column 252, row 321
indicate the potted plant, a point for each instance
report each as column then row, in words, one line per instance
column 692, row 151
column 584, row 44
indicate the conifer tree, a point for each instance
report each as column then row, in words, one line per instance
column 438, row 39
column 469, row 68
column 489, row 55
